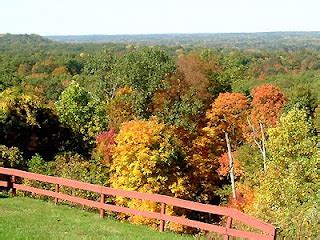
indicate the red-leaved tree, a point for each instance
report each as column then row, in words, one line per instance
column 104, row 142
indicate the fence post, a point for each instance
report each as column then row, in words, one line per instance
column 56, row 199
column 228, row 226
column 13, row 181
column 102, row 201
column 163, row 212
column 274, row 237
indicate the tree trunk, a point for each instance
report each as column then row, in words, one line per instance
column 263, row 141
column 231, row 166
column 260, row 144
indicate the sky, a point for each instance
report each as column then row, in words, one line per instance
column 81, row 17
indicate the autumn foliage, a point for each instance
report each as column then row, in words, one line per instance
column 146, row 158
column 245, row 198
column 267, row 104
column 156, row 120
column 224, row 168
column 227, row 114
column 105, row 141
column 196, row 72
column 120, row 108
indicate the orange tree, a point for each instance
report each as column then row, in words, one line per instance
column 227, row 115
column 104, row 142
column 267, row 104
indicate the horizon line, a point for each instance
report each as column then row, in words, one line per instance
column 164, row 33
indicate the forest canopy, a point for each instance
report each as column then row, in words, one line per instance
column 231, row 124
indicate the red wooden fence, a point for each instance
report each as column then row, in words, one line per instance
column 268, row 231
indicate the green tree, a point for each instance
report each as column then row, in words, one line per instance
column 235, row 66
column 183, row 111
column 301, row 96
column 82, row 111
column 96, row 74
column 74, row 66
column 143, row 70
column 31, row 126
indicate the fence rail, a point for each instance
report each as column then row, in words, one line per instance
column 268, row 230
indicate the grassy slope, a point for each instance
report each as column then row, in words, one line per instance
column 26, row 218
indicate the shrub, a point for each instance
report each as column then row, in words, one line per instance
column 11, row 157
column 71, row 166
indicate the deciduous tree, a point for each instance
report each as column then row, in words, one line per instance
column 82, row 111
column 288, row 193
column 150, row 161
column 227, row 115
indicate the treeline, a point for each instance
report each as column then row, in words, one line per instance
column 244, row 41
column 158, row 120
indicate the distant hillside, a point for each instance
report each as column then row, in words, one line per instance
column 23, row 39
column 33, row 44
column 21, row 42
column 271, row 40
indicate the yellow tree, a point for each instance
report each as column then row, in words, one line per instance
column 147, row 158
column 288, row 193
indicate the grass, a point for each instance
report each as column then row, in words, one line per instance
column 27, row 218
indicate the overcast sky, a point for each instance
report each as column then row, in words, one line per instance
column 72, row 17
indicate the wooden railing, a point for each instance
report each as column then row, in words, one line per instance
column 268, row 231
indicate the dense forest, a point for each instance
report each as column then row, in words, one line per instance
column 212, row 120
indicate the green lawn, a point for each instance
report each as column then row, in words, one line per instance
column 27, row 218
